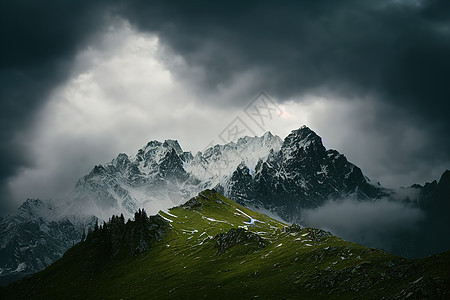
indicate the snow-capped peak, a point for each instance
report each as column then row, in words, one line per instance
column 174, row 145
column 302, row 138
column 217, row 163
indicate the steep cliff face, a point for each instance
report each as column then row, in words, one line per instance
column 303, row 174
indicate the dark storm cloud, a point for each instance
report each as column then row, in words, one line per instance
column 391, row 48
column 39, row 39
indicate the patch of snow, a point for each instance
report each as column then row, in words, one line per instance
column 169, row 220
column 414, row 282
column 20, row 267
column 323, row 170
column 352, row 167
column 252, row 221
column 240, row 211
column 214, row 220
column 168, row 213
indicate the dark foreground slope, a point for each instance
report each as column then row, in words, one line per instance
column 213, row 247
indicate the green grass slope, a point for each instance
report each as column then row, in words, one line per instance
column 211, row 247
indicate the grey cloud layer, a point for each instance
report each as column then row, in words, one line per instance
column 374, row 224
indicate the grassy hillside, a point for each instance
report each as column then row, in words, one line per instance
column 212, row 247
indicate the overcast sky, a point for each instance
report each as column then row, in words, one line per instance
column 81, row 81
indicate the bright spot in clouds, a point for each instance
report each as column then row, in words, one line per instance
column 120, row 96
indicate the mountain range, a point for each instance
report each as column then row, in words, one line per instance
column 281, row 178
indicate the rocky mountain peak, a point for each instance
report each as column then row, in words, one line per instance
column 301, row 142
column 121, row 161
column 174, row 145
column 34, row 207
column 97, row 170
column 445, row 178
column 269, row 139
column 268, row 135
column 171, row 166
column 150, row 145
column 31, row 203
column 302, row 137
